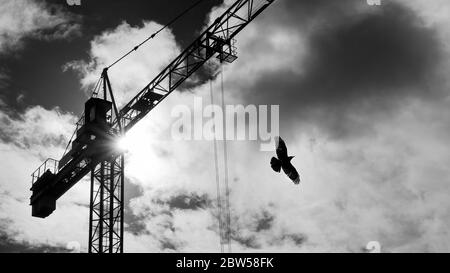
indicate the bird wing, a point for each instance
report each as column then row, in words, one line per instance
column 292, row 173
column 275, row 164
column 281, row 151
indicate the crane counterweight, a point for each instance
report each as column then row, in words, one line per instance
column 44, row 206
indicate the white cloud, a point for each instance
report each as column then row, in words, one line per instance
column 134, row 72
column 25, row 142
column 266, row 45
column 391, row 186
column 29, row 18
column 45, row 131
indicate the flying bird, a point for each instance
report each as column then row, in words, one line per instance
column 284, row 161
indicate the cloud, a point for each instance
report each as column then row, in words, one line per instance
column 2, row 104
column 175, row 220
column 43, row 130
column 4, row 78
column 26, row 140
column 8, row 245
column 389, row 187
column 338, row 60
column 29, row 18
column 366, row 149
column 380, row 128
column 387, row 184
column 136, row 70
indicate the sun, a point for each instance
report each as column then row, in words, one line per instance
column 142, row 163
column 124, row 144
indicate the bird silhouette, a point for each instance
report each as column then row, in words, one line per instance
column 284, row 161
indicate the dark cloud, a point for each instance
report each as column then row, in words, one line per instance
column 297, row 238
column 4, row 80
column 11, row 133
column 191, row 201
column 257, row 222
column 168, row 244
column 249, row 241
column 27, row 143
column 264, row 221
column 164, row 206
column 302, row 13
column 8, row 244
column 380, row 55
column 136, row 224
column 365, row 63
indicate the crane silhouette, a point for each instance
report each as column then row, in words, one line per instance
column 102, row 124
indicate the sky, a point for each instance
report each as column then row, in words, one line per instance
column 364, row 106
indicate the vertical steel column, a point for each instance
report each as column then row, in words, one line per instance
column 111, row 208
column 101, row 210
column 107, row 194
column 106, row 222
column 122, row 199
column 91, row 213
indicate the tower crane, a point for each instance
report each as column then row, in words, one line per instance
column 92, row 146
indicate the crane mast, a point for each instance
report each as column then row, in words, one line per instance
column 93, row 145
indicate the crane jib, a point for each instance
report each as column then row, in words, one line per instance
column 217, row 39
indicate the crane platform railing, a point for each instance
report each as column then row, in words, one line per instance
column 49, row 165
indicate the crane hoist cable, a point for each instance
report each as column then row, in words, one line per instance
column 156, row 33
column 96, row 87
column 224, row 224
column 225, row 160
column 216, row 164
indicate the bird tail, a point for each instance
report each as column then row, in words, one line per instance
column 275, row 164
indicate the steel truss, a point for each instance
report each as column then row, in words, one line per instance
column 107, row 207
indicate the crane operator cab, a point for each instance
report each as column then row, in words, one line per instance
column 93, row 140
column 93, row 132
column 96, row 132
